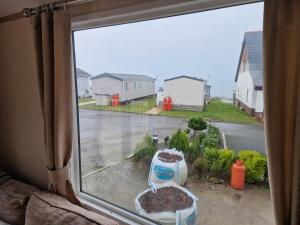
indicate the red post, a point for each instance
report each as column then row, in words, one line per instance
column 238, row 175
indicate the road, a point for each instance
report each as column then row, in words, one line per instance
column 108, row 137
column 241, row 136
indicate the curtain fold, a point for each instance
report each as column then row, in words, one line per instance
column 282, row 106
column 53, row 46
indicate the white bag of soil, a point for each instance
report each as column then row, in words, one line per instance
column 168, row 165
column 169, row 204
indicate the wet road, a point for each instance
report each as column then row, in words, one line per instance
column 242, row 136
column 108, row 137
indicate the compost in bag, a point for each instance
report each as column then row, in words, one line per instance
column 165, row 199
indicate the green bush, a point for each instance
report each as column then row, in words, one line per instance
column 213, row 130
column 255, row 164
column 219, row 161
column 200, row 166
column 180, row 141
column 193, row 152
column 187, row 131
column 210, row 142
column 213, row 137
column 225, row 161
column 211, row 155
column 146, row 149
column 197, row 124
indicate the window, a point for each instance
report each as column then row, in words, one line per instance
column 247, row 95
column 119, row 136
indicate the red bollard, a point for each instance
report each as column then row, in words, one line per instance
column 238, row 175
column 165, row 104
column 169, row 104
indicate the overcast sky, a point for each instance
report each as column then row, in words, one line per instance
column 205, row 45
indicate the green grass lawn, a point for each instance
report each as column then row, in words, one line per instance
column 216, row 110
column 140, row 106
column 80, row 100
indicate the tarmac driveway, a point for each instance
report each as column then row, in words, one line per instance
column 243, row 136
column 108, row 137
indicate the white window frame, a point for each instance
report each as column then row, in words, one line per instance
column 141, row 12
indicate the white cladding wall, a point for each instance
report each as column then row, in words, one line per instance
column 138, row 89
column 185, row 91
column 107, row 85
column 245, row 87
column 82, row 86
column 135, row 89
column 259, row 106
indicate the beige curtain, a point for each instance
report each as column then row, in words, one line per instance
column 53, row 45
column 282, row 106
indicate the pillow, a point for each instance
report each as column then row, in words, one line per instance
column 4, row 176
column 14, row 196
column 46, row 208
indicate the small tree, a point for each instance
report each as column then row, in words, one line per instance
column 197, row 124
column 180, row 141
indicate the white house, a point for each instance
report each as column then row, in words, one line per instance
column 127, row 86
column 249, row 76
column 83, row 83
column 186, row 92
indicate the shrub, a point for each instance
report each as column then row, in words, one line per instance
column 213, row 130
column 255, row 164
column 226, row 159
column 180, row 141
column 211, row 155
column 193, row 152
column 197, row 124
column 213, row 137
column 187, row 131
column 146, row 149
column 200, row 166
column 210, row 142
column 219, row 161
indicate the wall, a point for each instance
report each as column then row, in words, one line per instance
column 107, row 85
column 22, row 149
column 146, row 89
column 185, row 92
column 245, row 83
column 259, row 106
column 82, row 85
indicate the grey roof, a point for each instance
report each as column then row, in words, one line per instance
column 184, row 76
column 82, row 73
column 253, row 42
column 123, row 77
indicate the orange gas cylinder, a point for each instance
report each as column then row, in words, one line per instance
column 117, row 100
column 238, row 175
column 169, row 104
column 165, row 104
column 113, row 100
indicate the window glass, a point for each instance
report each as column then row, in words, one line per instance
column 180, row 75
